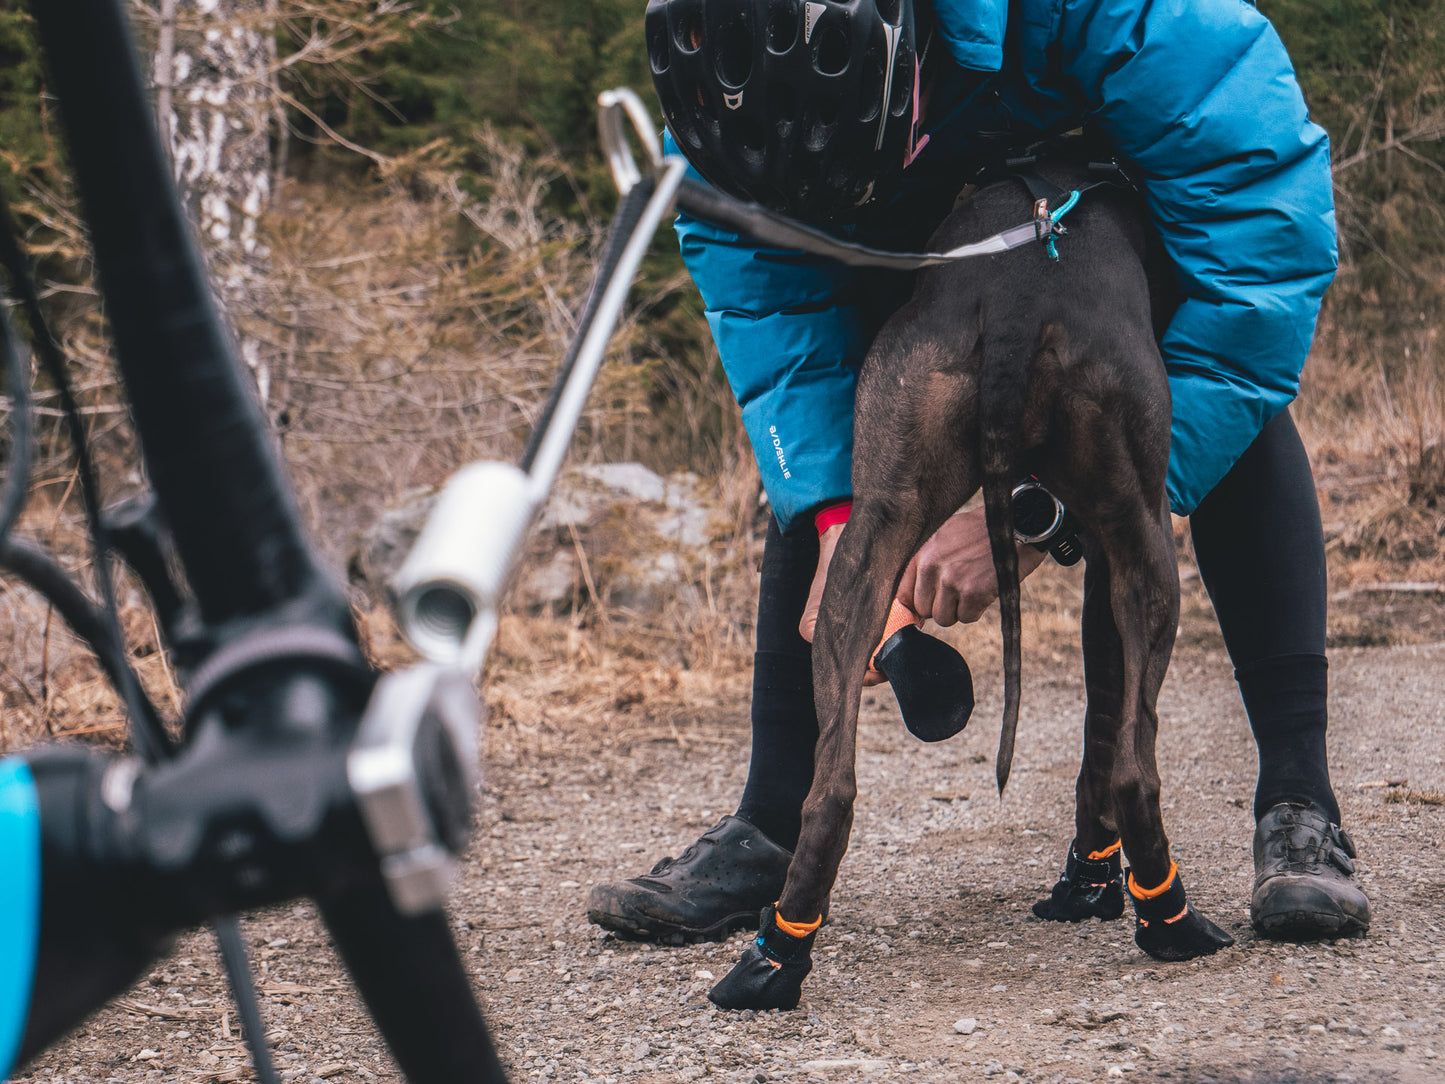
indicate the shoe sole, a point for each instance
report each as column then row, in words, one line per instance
column 640, row 928
column 1298, row 909
column 1309, row 926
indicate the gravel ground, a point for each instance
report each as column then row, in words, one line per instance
column 932, row 967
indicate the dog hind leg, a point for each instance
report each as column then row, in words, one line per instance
column 1144, row 598
column 1092, row 882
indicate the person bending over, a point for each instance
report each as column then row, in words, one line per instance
column 869, row 118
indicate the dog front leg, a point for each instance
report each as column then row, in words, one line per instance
column 851, row 618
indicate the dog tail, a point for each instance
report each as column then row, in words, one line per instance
column 1008, row 350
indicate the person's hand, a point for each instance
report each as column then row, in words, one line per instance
column 827, row 542
column 952, row 577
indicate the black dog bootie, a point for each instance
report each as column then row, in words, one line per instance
column 1088, row 888
column 771, row 971
column 1167, row 927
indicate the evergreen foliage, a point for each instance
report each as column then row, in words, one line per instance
column 25, row 145
column 1373, row 72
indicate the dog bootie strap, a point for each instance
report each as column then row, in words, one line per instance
column 771, row 970
column 1091, row 887
column 1166, row 926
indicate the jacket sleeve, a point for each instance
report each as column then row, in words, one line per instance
column 19, row 902
column 1201, row 95
column 790, row 343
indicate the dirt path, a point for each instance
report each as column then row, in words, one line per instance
column 932, row 968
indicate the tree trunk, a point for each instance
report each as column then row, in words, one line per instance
column 213, row 82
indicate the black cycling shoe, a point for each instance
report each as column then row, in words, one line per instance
column 719, row 884
column 1304, row 884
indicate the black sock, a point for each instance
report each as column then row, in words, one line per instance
column 1285, row 699
column 1261, row 554
column 785, row 723
column 785, row 730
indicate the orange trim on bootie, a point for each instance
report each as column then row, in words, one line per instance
column 1153, row 893
column 795, row 929
column 1112, row 849
column 899, row 617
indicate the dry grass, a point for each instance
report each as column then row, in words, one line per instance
column 1372, row 411
column 1415, row 797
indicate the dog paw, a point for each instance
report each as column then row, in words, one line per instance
column 1167, row 927
column 1070, row 902
column 1088, row 888
column 1185, row 938
column 758, row 982
column 771, row 971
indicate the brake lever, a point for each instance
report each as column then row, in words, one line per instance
column 414, row 771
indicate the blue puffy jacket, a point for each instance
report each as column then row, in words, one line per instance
column 1198, row 94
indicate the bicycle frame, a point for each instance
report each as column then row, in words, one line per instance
column 223, row 493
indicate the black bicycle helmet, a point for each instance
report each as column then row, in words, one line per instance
column 804, row 106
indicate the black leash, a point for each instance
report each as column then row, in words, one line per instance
column 1050, row 202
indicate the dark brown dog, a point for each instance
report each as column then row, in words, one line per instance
column 999, row 368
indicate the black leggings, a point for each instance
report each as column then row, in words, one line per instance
column 1261, row 554
column 1260, row 548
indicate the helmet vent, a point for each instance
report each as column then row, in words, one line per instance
column 749, row 134
column 782, row 27
column 783, row 104
column 687, row 31
column 890, row 11
column 826, row 111
column 901, row 98
column 870, row 90
column 657, row 51
column 734, row 52
column 831, row 57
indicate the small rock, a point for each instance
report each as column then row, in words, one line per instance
column 704, row 973
column 966, row 1026
column 640, row 1051
column 516, row 974
column 1317, row 1029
